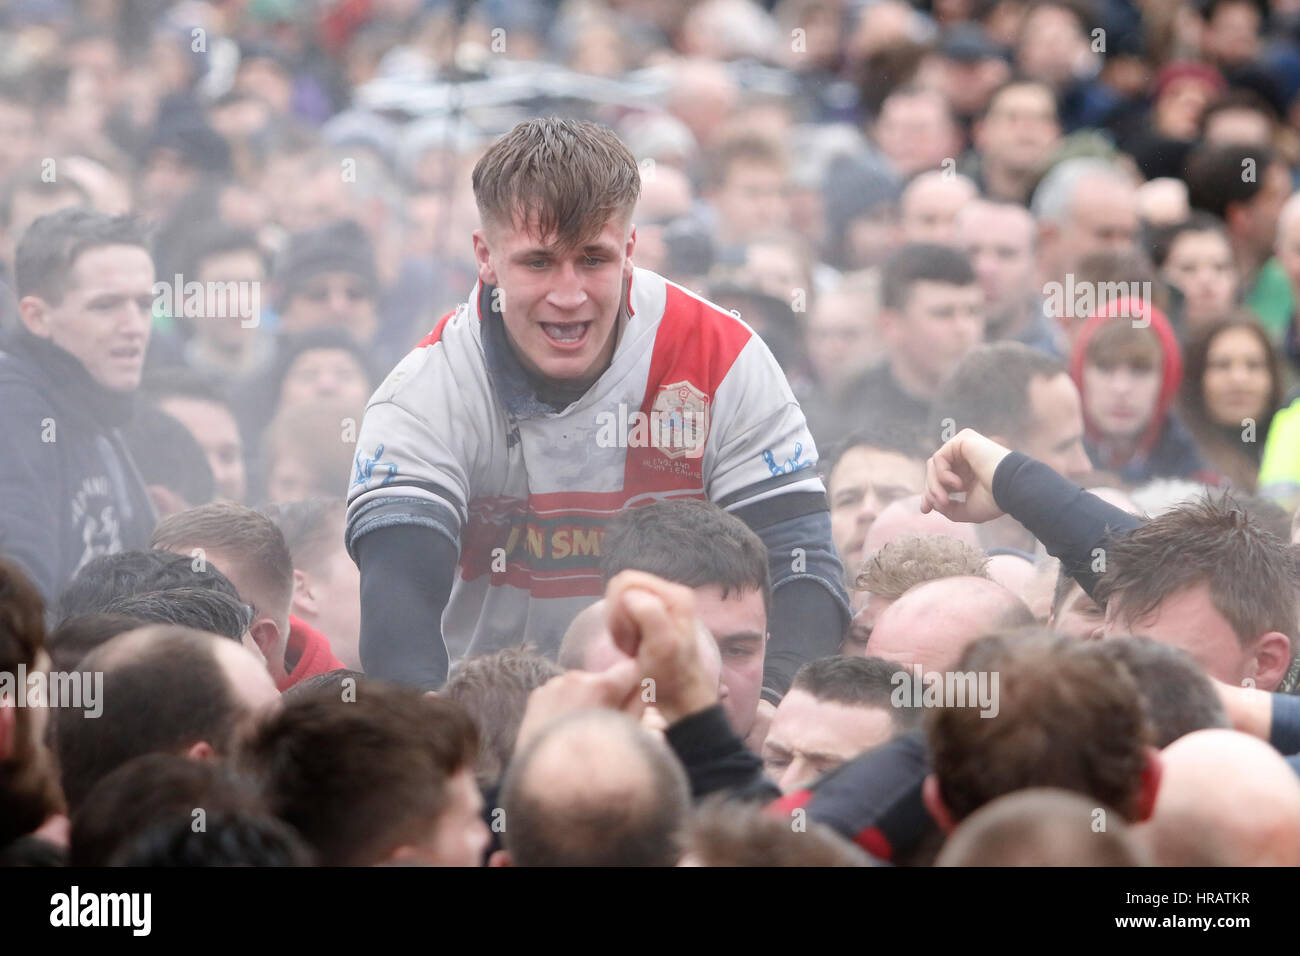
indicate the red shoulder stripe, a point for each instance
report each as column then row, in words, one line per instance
column 433, row 337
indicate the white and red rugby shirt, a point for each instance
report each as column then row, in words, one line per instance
column 456, row 439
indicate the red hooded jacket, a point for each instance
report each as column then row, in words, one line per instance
column 1125, row 310
column 1166, row 449
column 310, row 651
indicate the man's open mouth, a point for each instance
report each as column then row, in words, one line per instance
column 126, row 352
column 570, row 333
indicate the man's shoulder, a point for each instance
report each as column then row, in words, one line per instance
column 451, row 348
column 21, row 385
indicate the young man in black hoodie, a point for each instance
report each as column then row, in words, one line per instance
column 68, row 377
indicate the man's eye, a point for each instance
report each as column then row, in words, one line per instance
column 594, row 261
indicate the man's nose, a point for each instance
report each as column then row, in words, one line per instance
column 798, row 774
column 138, row 320
column 1080, row 464
column 339, row 302
column 870, row 509
column 567, row 292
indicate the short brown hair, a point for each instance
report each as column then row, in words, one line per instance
column 1068, row 717
column 237, row 531
column 690, row 542
column 315, row 436
column 742, row 147
column 312, row 529
column 730, row 833
column 164, row 690
column 1250, row 572
column 903, row 564
column 856, row 682
column 1122, row 343
column 359, row 779
column 1040, row 827
column 566, row 177
column 989, row 389
column 494, row 689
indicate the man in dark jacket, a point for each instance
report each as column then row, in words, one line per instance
column 68, row 377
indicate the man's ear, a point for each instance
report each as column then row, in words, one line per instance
column 201, row 752
column 8, row 730
column 933, row 801
column 500, row 858
column 35, row 315
column 1149, row 788
column 407, row 855
column 628, row 264
column 304, row 594
column 487, row 274
column 1272, row 658
column 1235, row 216
column 266, row 635
column 165, row 501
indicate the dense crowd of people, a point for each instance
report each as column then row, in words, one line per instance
column 610, row 432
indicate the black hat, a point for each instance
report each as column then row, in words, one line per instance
column 968, row 43
column 338, row 247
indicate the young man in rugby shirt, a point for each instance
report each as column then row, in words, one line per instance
column 570, row 386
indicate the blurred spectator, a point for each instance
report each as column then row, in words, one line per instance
column 929, row 205
column 898, row 566
column 1000, row 238
column 69, row 374
column 1128, row 374
column 326, row 583
column 1013, row 140
column 1231, row 390
column 932, row 315
column 209, row 418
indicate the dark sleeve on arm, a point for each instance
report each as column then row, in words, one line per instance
column 810, row 606
column 406, row 576
column 1284, row 729
column 31, row 533
column 1069, row 521
column 716, row 759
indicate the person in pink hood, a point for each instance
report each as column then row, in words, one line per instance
column 1128, row 366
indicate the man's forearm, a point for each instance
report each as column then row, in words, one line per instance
column 807, row 623
column 716, row 759
column 406, row 578
column 1071, row 523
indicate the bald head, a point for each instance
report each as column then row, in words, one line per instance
column 1040, row 827
column 588, row 646
column 595, row 789
column 1225, row 799
column 665, row 195
column 902, row 518
column 165, row 689
column 929, row 206
column 932, row 623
